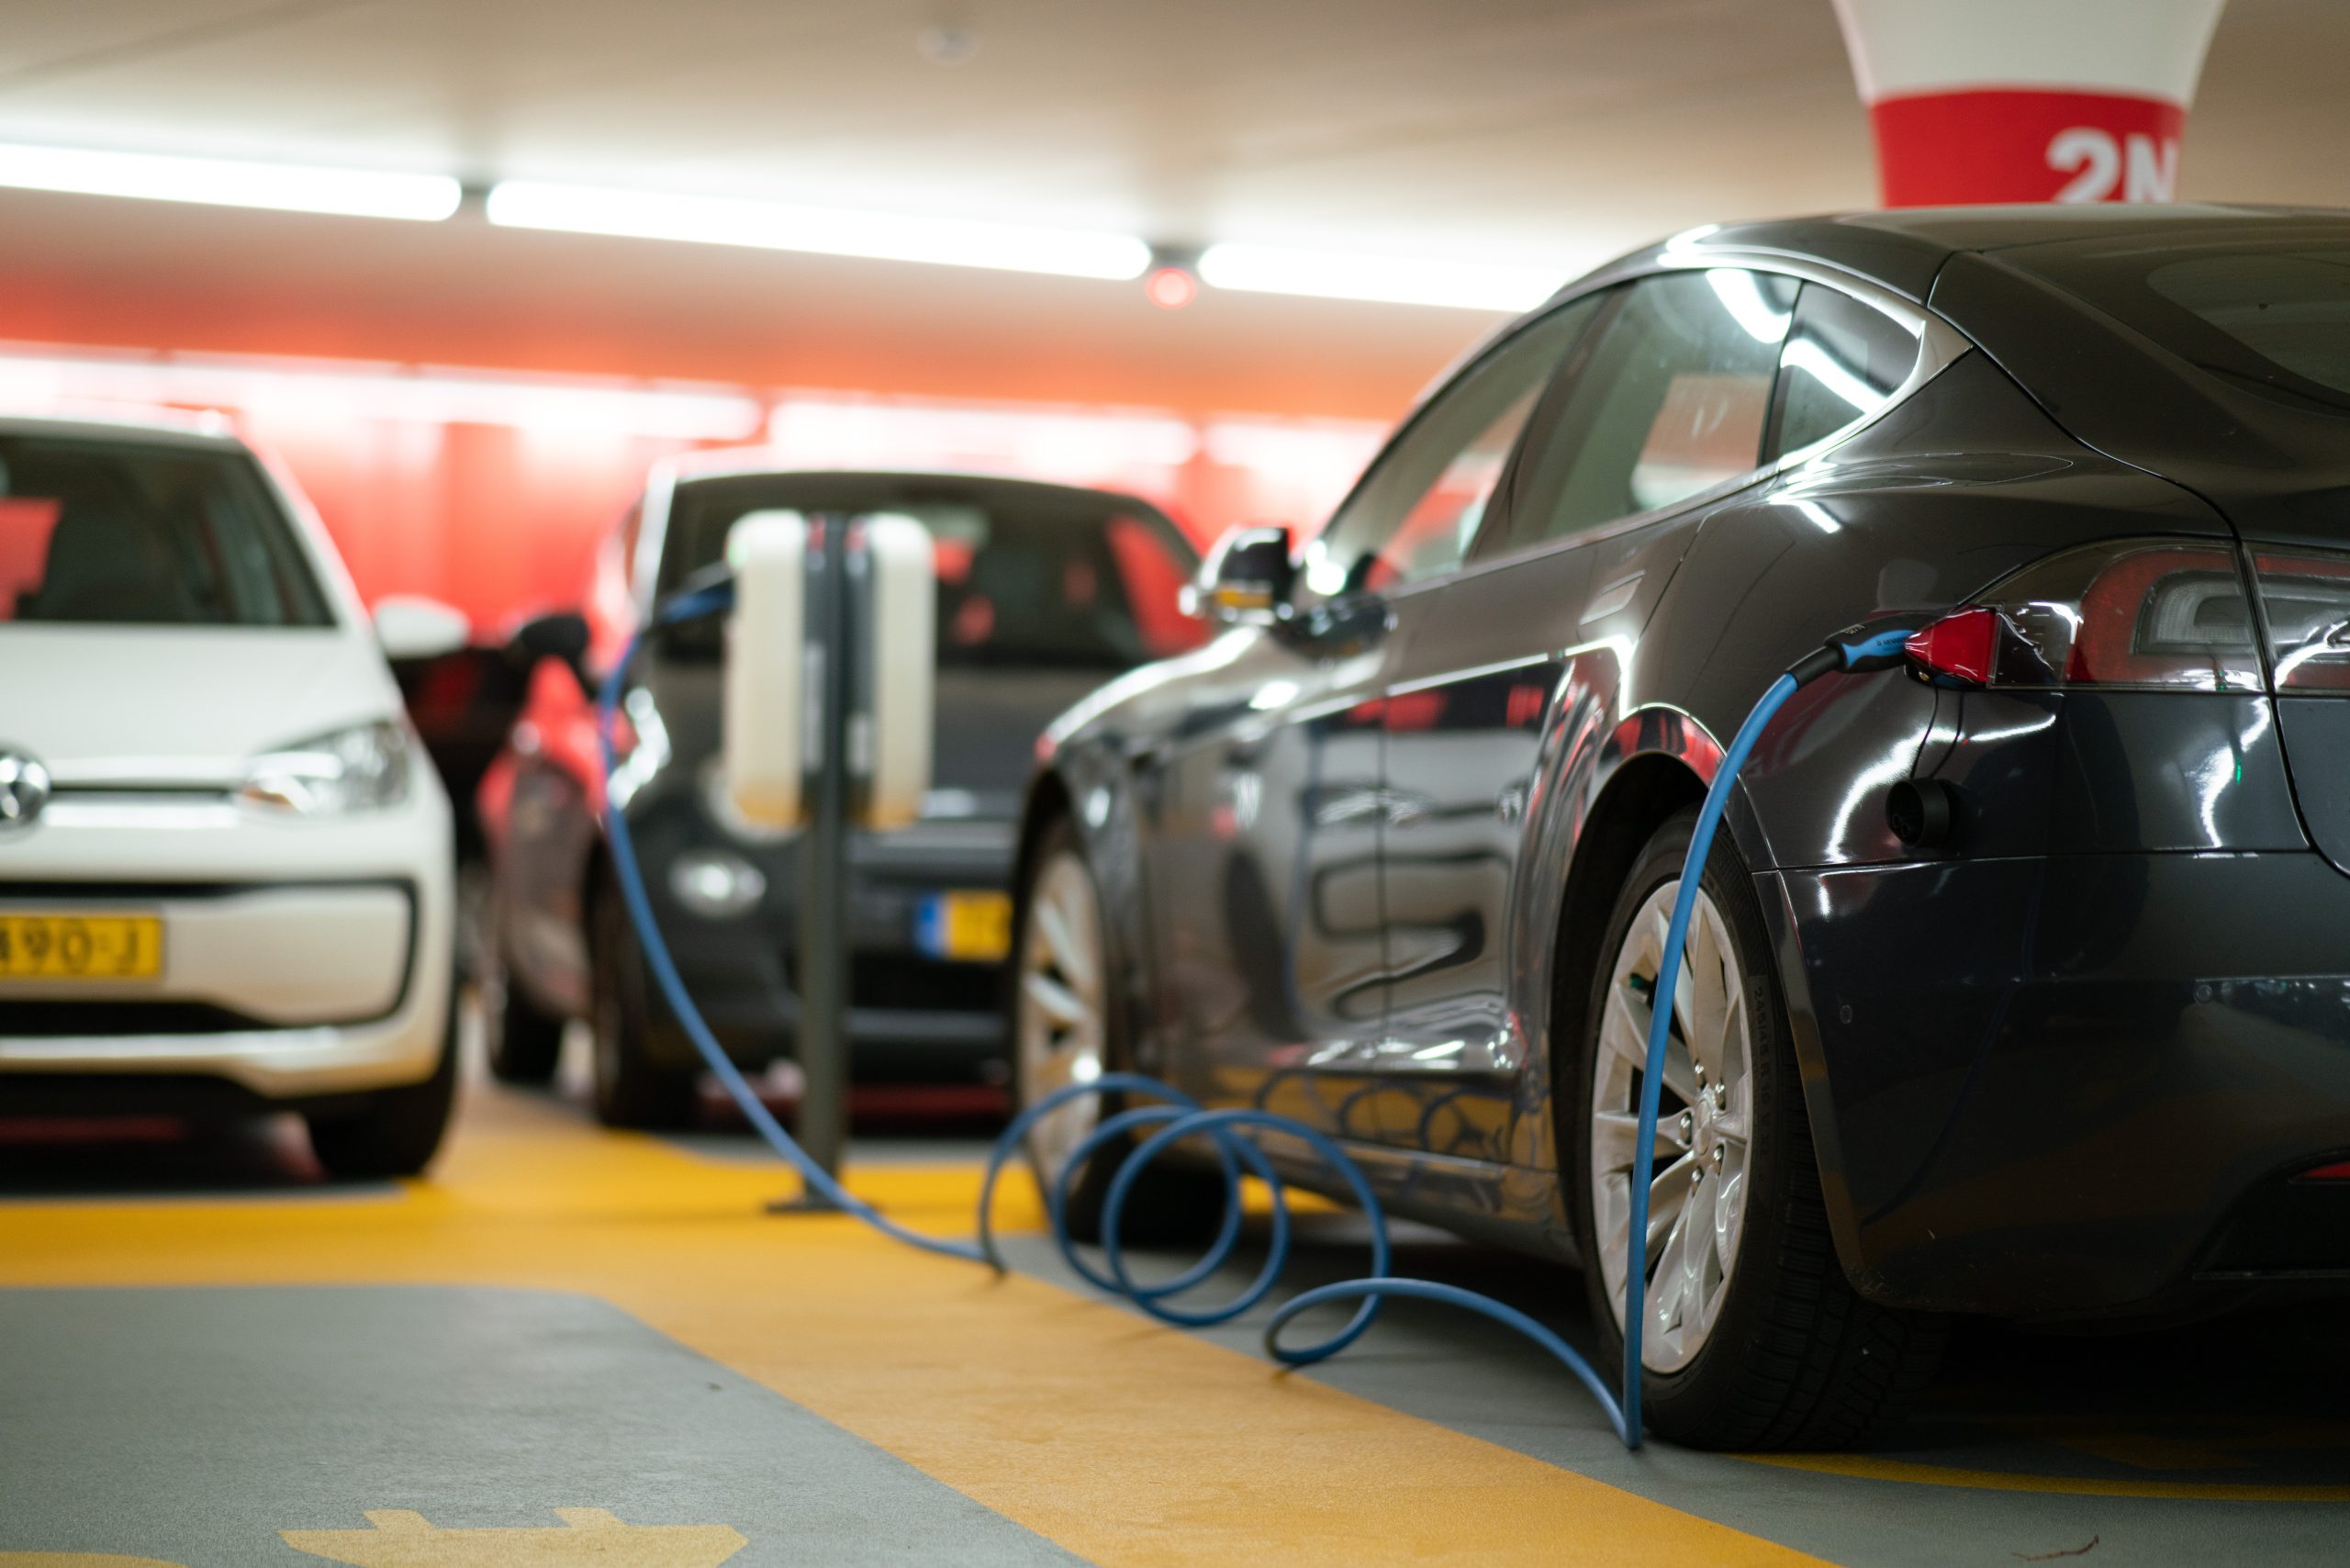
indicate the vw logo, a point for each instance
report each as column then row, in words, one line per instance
column 24, row 789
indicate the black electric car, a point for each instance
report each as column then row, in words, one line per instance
column 1044, row 590
column 2064, row 1035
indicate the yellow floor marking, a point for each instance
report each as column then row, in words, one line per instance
column 1122, row 1441
column 402, row 1538
column 1867, row 1467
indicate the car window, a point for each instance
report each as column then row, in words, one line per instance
column 1014, row 591
column 109, row 533
column 1669, row 401
column 1414, row 515
column 1842, row 361
column 2269, row 315
column 1028, row 578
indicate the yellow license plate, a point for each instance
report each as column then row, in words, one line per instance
column 81, row 946
column 964, row 927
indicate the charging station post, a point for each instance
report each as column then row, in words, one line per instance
column 829, row 688
column 822, row 1027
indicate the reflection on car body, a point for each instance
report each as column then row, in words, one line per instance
column 1908, row 1076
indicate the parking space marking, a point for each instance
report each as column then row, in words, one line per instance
column 1120, row 1441
column 400, row 1538
column 1869, row 1467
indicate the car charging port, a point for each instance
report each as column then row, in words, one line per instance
column 1926, row 813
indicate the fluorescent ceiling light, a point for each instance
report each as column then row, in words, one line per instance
column 284, row 187
column 310, row 390
column 773, row 225
column 1080, row 443
column 1337, row 274
column 1324, row 455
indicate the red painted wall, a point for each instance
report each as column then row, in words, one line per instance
column 500, row 518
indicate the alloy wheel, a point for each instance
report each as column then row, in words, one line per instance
column 1697, row 1181
column 1062, row 1037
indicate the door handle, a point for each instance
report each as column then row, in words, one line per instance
column 1612, row 598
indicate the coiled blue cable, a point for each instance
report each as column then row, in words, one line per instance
column 1176, row 1117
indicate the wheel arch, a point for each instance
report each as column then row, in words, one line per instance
column 1639, row 789
column 1047, row 802
column 1640, row 796
column 1091, row 788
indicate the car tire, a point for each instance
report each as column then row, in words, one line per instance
column 1065, row 1023
column 1783, row 1354
column 525, row 1044
column 395, row 1131
column 631, row 1089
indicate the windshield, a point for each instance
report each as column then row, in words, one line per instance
column 115, row 533
column 1027, row 576
column 2275, row 317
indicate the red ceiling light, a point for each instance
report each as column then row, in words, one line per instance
column 1171, row 288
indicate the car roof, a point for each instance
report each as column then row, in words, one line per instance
column 703, row 467
column 1902, row 249
column 162, row 427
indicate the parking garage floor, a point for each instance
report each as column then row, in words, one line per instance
column 573, row 1346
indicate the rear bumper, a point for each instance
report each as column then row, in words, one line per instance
column 2074, row 1086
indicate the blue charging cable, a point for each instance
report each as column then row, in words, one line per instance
column 1846, row 651
column 1173, row 1116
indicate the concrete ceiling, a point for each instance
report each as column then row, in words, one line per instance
column 1553, row 133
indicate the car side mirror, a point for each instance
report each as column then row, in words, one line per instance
column 1245, row 578
column 562, row 634
column 410, row 626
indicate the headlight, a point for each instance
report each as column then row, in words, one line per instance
column 362, row 768
column 716, row 884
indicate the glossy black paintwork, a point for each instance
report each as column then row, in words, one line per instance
column 1989, row 1032
column 1260, row 855
column 2317, row 729
column 2047, row 1079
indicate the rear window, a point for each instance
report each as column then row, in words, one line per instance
column 2274, row 318
column 1041, row 580
column 114, row 533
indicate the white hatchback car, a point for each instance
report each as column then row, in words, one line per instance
column 226, row 878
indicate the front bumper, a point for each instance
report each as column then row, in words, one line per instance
column 913, row 1017
column 2071, row 1086
column 302, row 959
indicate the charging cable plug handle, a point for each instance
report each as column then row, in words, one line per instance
column 1856, row 650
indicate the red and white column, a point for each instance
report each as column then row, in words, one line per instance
column 2027, row 100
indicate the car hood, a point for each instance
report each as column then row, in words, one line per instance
column 985, row 739
column 183, row 706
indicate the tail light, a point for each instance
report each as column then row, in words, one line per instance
column 2305, row 598
column 2156, row 614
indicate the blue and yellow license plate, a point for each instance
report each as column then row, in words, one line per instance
column 81, row 946
column 964, row 927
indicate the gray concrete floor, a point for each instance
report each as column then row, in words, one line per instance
column 124, row 1413
column 204, row 1421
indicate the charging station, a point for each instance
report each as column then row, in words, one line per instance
column 827, row 716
